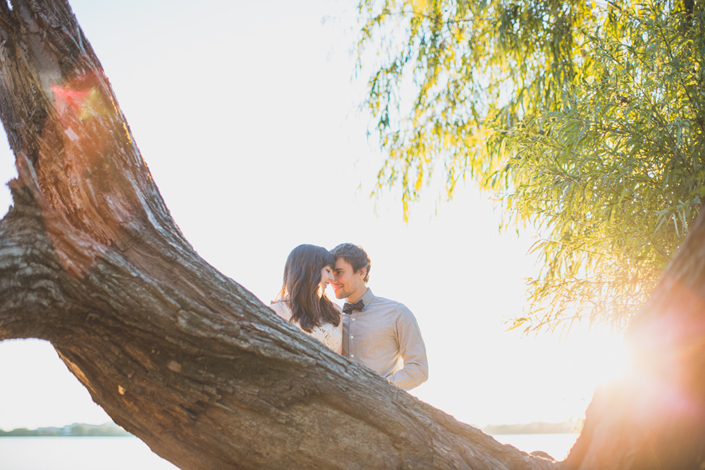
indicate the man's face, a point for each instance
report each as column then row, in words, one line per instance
column 348, row 284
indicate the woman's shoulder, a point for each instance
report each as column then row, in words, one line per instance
column 281, row 308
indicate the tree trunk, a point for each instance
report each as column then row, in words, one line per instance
column 176, row 353
column 655, row 418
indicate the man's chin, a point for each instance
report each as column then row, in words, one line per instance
column 339, row 295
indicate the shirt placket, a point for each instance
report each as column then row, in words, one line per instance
column 351, row 337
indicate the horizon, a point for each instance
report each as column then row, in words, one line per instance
column 115, row 424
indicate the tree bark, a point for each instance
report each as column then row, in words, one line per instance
column 175, row 352
column 655, row 417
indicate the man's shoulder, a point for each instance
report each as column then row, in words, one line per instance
column 391, row 305
column 384, row 300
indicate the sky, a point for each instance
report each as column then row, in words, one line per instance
column 247, row 114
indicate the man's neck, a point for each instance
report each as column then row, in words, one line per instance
column 356, row 296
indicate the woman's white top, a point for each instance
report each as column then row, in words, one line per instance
column 327, row 333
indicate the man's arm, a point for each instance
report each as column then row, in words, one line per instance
column 412, row 350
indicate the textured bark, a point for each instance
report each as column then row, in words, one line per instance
column 176, row 353
column 655, row 418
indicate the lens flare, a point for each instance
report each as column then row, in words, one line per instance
column 78, row 100
column 81, row 104
column 614, row 360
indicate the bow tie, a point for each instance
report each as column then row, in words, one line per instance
column 348, row 308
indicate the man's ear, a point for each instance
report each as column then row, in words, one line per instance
column 363, row 271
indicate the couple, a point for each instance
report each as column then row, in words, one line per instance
column 379, row 333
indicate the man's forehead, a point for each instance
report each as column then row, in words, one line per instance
column 341, row 264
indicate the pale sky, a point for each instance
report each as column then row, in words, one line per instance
column 246, row 113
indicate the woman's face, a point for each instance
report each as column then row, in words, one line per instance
column 326, row 278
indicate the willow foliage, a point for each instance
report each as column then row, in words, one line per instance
column 586, row 119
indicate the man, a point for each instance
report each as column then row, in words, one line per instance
column 379, row 333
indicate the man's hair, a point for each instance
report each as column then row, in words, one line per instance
column 354, row 255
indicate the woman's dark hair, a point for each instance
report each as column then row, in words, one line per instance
column 302, row 276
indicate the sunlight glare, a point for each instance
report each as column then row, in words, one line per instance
column 593, row 356
column 613, row 358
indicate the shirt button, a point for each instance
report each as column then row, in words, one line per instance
column 352, row 355
column 351, row 337
column 353, row 319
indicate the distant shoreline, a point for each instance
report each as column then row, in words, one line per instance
column 71, row 430
column 533, row 428
column 113, row 430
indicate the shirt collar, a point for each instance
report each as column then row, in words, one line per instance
column 367, row 297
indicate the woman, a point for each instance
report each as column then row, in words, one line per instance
column 302, row 299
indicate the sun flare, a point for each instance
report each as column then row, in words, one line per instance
column 613, row 359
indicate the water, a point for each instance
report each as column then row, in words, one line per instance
column 120, row 453
column 78, row 453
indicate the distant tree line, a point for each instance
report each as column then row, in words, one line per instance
column 112, row 429
column 77, row 429
column 532, row 428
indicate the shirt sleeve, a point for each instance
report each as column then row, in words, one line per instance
column 412, row 350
